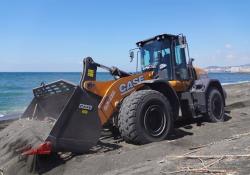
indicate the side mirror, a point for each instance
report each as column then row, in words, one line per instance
column 131, row 55
column 191, row 60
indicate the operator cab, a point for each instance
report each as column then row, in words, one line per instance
column 166, row 55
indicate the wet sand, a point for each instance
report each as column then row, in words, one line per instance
column 196, row 147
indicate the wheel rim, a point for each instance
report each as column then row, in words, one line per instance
column 155, row 120
column 217, row 106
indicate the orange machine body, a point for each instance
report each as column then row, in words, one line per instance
column 114, row 91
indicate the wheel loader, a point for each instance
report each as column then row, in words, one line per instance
column 141, row 106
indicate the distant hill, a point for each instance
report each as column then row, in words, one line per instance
column 231, row 69
column 245, row 65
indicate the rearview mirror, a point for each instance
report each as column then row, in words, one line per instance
column 131, row 55
column 191, row 61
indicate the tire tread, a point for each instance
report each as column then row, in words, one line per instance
column 127, row 115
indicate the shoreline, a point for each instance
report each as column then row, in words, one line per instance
column 14, row 115
column 9, row 117
column 235, row 83
column 228, row 72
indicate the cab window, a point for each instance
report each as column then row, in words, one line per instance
column 181, row 71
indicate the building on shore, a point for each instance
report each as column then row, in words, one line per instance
column 229, row 69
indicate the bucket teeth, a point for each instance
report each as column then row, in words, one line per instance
column 23, row 149
column 42, row 149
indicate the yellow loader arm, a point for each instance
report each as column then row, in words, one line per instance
column 113, row 92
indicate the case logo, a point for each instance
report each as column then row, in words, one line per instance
column 85, row 108
column 124, row 88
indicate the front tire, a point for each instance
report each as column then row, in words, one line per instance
column 215, row 106
column 145, row 116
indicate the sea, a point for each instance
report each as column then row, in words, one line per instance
column 16, row 87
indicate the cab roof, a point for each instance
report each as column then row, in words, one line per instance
column 157, row 37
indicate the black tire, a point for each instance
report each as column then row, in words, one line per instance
column 215, row 106
column 135, row 121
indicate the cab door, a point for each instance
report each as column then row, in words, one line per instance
column 181, row 80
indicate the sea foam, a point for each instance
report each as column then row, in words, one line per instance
column 238, row 82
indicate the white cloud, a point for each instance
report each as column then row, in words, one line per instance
column 228, row 46
column 224, row 56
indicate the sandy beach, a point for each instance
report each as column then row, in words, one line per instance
column 196, row 147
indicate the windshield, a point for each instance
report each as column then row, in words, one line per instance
column 155, row 54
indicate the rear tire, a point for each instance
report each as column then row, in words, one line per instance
column 215, row 106
column 145, row 116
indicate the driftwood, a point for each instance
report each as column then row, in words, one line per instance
column 199, row 170
column 210, row 156
column 234, row 137
column 205, row 168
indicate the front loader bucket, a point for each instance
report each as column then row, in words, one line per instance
column 72, row 113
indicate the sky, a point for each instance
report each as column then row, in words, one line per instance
column 55, row 35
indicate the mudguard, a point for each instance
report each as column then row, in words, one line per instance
column 165, row 88
column 199, row 91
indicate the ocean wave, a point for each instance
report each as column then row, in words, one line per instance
column 238, row 82
column 12, row 111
